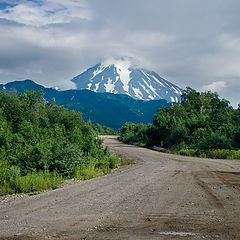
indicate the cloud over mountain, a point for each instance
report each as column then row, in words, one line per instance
column 191, row 43
column 121, row 77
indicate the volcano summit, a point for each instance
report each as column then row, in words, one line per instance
column 119, row 78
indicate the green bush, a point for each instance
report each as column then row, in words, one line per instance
column 187, row 152
column 11, row 180
column 224, row 154
column 131, row 132
column 87, row 172
column 125, row 162
column 199, row 124
column 216, row 154
column 41, row 143
column 103, row 130
column 113, row 161
column 234, row 154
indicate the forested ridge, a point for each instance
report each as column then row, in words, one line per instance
column 201, row 125
column 41, row 144
column 98, row 107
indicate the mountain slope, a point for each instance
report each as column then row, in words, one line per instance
column 120, row 78
column 105, row 108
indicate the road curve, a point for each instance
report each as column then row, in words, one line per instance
column 162, row 196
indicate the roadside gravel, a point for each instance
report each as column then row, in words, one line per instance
column 162, row 196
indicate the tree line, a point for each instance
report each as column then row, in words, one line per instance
column 202, row 124
column 41, row 144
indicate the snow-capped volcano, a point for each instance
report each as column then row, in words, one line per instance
column 120, row 78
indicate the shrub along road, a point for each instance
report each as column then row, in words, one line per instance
column 162, row 196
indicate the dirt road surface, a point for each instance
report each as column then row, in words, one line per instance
column 162, row 196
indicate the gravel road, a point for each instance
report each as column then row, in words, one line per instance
column 162, row 196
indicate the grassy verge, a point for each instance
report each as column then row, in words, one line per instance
column 12, row 182
column 215, row 154
column 93, row 170
column 124, row 161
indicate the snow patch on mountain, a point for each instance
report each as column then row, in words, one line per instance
column 138, row 93
column 119, row 77
column 97, row 71
column 124, row 75
column 109, row 86
column 97, row 87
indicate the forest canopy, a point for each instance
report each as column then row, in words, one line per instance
column 202, row 122
column 42, row 143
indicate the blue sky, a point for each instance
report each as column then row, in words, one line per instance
column 190, row 43
column 9, row 3
column 4, row 5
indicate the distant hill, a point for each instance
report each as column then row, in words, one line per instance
column 112, row 110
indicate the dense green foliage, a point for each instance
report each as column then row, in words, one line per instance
column 131, row 132
column 107, row 109
column 212, row 153
column 41, row 144
column 103, row 130
column 202, row 122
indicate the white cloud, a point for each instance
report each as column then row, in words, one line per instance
column 46, row 12
column 4, row 72
column 124, row 63
column 215, row 86
column 225, row 60
column 147, row 39
column 51, row 41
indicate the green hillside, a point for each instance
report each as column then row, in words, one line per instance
column 107, row 109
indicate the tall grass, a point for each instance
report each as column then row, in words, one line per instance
column 12, row 182
column 93, row 170
column 87, row 172
column 215, row 154
column 124, row 161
